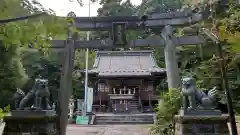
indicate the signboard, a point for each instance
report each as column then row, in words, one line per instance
column 89, row 99
column 82, row 120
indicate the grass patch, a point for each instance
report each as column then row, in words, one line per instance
column 4, row 112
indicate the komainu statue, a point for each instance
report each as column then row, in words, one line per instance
column 197, row 98
column 39, row 93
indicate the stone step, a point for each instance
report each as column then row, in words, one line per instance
column 124, row 119
column 134, row 102
column 122, row 122
column 132, row 108
column 133, row 105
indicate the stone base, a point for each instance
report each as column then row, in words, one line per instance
column 201, row 124
column 202, row 112
column 32, row 113
column 31, row 121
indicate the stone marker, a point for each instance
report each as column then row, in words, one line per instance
column 71, row 108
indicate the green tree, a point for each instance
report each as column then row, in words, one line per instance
column 12, row 74
column 50, row 66
column 14, row 35
column 79, row 66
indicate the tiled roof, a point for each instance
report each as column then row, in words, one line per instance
column 125, row 63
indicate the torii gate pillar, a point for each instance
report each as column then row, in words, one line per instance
column 173, row 77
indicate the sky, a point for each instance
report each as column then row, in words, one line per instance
column 63, row 7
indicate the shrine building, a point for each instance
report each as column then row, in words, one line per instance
column 125, row 81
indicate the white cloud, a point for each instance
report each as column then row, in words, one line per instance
column 63, row 7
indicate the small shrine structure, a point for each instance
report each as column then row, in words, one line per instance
column 125, row 81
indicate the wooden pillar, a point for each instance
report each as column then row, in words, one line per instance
column 139, row 98
column 100, row 100
column 173, row 77
column 109, row 92
column 150, row 90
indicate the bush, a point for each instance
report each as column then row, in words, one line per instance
column 4, row 112
column 169, row 105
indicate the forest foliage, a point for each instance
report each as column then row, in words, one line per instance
column 16, row 35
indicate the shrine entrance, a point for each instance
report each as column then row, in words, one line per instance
column 121, row 99
column 128, row 87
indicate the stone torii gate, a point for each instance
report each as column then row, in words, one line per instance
column 164, row 23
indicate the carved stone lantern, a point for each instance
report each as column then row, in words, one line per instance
column 71, row 107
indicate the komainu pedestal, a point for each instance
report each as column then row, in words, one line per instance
column 33, row 122
column 201, row 124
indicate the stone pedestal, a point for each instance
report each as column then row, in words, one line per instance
column 32, row 122
column 201, row 125
column 200, row 112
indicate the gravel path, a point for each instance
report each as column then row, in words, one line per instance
column 104, row 130
column 109, row 130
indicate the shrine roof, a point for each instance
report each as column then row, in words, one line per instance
column 125, row 63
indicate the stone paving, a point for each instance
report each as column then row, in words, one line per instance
column 109, row 130
column 104, row 130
